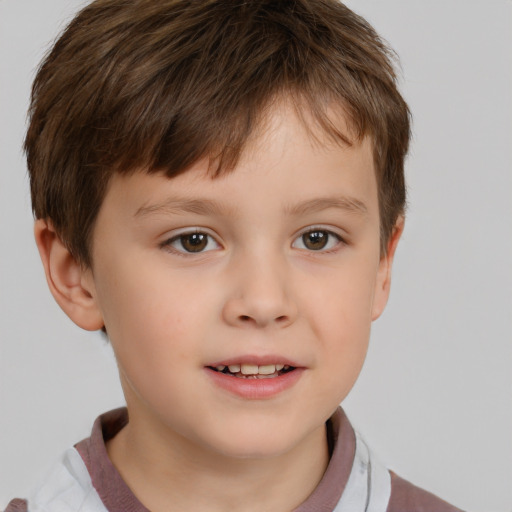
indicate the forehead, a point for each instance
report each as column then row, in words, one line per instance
column 286, row 163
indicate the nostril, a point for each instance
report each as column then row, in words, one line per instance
column 248, row 318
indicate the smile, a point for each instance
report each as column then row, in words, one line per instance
column 253, row 371
column 256, row 378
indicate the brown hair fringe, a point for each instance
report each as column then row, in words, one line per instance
column 157, row 85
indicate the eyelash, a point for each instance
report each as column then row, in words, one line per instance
column 169, row 243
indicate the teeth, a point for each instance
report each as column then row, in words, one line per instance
column 253, row 369
column 248, row 369
column 267, row 369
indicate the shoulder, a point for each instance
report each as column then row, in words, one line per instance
column 406, row 497
column 17, row 506
column 68, row 485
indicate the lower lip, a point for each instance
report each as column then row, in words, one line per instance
column 255, row 389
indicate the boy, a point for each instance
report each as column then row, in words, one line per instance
column 219, row 187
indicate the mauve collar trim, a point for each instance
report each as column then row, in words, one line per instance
column 328, row 492
column 118, row 497
column 112, row 489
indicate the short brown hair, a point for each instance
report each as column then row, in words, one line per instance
column 159, row 84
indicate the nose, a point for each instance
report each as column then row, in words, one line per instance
column 260, row 296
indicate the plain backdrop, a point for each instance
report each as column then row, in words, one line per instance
column 435, row 397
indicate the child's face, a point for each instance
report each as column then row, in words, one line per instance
column 277, row 262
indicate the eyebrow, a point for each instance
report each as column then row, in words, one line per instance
column 345, row 203
column 179, row 205
column 208, row 207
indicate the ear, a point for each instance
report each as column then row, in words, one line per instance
column 71, row 285
column 383, row 284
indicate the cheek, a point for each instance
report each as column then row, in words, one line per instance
column 339, row 313
column 149, row 315
column 343, row 353
column 339, row 301
column 155, row 346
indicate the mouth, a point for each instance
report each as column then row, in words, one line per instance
column 253, row 371
column 255, row 378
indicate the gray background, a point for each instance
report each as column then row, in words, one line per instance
column 434, row 398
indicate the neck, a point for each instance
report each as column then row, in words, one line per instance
column 170, row 473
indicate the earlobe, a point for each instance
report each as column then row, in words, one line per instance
column 70, row 284
column 383, row 284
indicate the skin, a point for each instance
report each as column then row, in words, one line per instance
column 255, row 290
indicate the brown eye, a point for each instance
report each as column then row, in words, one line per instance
column 194, row 242
column 315, row 240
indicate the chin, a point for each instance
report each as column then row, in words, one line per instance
column 255, row 441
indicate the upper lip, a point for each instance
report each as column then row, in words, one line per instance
column 256, row 360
